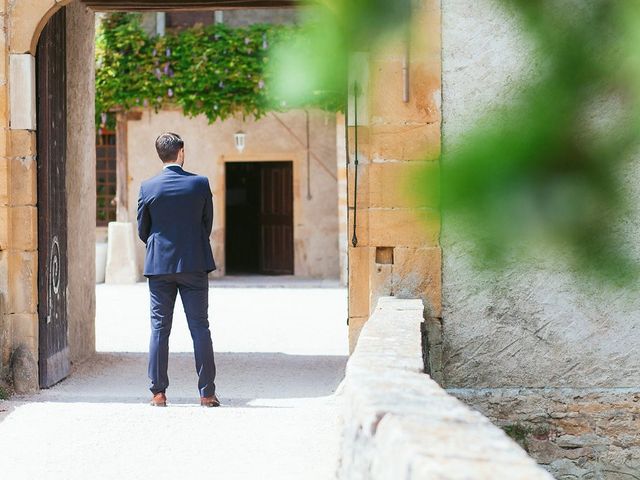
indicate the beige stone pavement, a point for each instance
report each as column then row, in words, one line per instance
column 280, row 418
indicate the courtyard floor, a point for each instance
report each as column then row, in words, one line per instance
column 280, row 354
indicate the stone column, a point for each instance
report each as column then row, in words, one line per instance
column 81, row 181
column 398, row 250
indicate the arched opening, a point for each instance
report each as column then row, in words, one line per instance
column 67, row 202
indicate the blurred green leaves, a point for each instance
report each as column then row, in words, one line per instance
column 544, row 172
column 316, row 61
column 216, row 70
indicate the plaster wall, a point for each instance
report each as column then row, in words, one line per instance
column 553, row 361
column 209, row 147
column 80, row 181
column 532, row 326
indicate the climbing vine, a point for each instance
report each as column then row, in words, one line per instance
column 216, row 70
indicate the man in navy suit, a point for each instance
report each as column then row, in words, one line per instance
column 175, row 217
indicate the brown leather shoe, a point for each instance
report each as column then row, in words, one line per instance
column 159, row 400
column 209, row 401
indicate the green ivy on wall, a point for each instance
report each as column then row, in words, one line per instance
column 216, row 70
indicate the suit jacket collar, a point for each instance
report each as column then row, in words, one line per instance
column 174, row 168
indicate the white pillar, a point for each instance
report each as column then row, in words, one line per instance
column 121, row 254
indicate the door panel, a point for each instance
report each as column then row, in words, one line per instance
column 276, row 218
column 52, row 208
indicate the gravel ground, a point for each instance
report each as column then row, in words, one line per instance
column 280, row 354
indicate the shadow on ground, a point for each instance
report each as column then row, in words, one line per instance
column 243, row 380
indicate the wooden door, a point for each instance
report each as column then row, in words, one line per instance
column 276, row 218
column 52, row 207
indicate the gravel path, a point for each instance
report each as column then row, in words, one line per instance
column 280, row 418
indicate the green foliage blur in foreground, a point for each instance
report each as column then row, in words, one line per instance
column 317, row 58
column 543, row 175
column 216, row 70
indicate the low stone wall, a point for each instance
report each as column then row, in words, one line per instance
column 400, row 424
column 577, row 434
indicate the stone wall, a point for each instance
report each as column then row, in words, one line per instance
column 81, row 181
column 277, row 137
column 397, row 251
column 533, row 326
column 575, row 434
column 19, row 32
column 399, row 424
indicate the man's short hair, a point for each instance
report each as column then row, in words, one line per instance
column 168, row 145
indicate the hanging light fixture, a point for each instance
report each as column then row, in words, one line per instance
column 239, row 138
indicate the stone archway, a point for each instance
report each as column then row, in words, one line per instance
column 393, row 254
column 20, row 253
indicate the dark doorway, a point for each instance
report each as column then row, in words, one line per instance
column 259, row 218
column 52, row 205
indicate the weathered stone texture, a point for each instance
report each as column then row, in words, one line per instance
column 575, row 433
column 23, row 183
column 24, row 370
column 80, row 182
column 397, row 141
column 533, row 325
column 25, row 22
column 399, row 424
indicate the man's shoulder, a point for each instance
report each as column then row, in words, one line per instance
column 151, row 181
column 200, row 180
column 195, row 176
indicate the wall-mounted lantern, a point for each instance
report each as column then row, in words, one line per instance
column 239, row 138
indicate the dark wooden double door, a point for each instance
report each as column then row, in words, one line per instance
column 259, row 218
column 51, row 80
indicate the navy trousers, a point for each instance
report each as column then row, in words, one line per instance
column 194, row 292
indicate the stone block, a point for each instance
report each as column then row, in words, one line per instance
column 4, row 278
column 361, row 226
column 121, row 254
column 387, row 103
column 364, row 148
column 360, row 261
column 4, row 180
column 405, row 142
column 26, row 19
column 4, row 133
column 355, row 327
column 23, row 143
column 358, row 190
column 380, row 283
column 22, row 92
column 426, row 41
column 3, row 51
column 4, row 102
column 22, row 286
column 397, row 184
column 24, row 368
column 23, row 188
column 5, row 227
column 24, row 330
column 417, row 273
column 24, row 228
column 403, row 227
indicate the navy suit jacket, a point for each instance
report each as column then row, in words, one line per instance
column 175, row 217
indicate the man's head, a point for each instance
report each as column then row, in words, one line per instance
column 170, row 148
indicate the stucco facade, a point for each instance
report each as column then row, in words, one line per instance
column 275, row 137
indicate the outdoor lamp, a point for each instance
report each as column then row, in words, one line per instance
column 239, row 138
